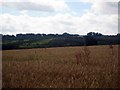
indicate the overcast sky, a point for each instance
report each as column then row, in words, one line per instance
column 58, row 16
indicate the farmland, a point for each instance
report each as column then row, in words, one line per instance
column 95, row 67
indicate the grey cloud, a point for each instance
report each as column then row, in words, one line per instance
column 7, row 30
column 28, row 6
column 105, row 7
column 112, row 7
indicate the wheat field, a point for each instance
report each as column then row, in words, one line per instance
column 63, row 67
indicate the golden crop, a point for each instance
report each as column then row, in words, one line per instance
column 64, row 67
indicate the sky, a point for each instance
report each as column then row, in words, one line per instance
column 59, row 16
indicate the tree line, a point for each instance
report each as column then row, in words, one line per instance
column 30, row 40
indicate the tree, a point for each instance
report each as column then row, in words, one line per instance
column 89, row 40
column 94, row 34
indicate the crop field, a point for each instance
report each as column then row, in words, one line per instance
column 62, row 67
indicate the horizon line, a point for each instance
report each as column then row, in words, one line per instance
column 57, row 33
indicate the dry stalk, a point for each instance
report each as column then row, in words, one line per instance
column 111, row 47
column 78, row 57
column 111, row 53
column 86, row 54
column 83, row 56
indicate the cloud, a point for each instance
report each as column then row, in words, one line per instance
column 54, row 24
column 103, row 6
column 92, row 1
column 101, row 17
column 36, row 5
column 24, row 12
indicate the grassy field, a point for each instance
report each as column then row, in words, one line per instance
column 64, row 67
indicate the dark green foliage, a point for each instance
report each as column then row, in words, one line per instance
column 90, row 40
column 22, row 41
column 94, row 34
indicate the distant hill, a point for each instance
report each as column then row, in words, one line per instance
column 25, row 41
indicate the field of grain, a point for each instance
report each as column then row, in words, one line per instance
column 64, row 67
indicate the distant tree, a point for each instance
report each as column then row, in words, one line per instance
column 8, row 37
column 98, row 34
column 118, row 34
column 89, row 40
column 94, row 34
column 89, row 34
column 51, row 35
column 43, row 35
column 75, row 35
column 65, row 34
